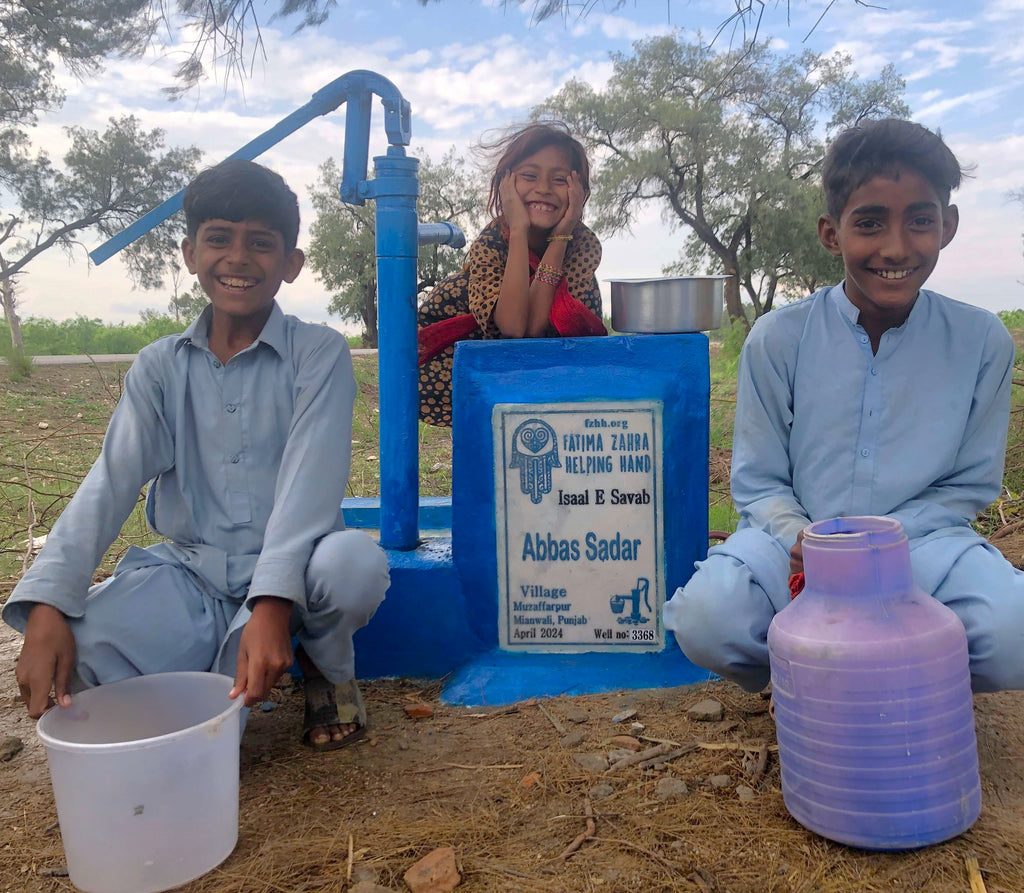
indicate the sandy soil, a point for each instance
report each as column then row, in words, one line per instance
column 465, row 778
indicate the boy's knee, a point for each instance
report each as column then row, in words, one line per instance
column 348, row 567
column 987, row 593
column 996, row 645
column 720, row 619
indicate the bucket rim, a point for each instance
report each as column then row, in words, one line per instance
column 49, row 741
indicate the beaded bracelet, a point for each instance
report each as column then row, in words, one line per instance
column 548, row 274
column 565, row 238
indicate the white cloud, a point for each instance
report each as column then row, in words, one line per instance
column 977, row 99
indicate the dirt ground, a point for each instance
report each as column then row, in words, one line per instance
column 461, row 778
column 503, row 787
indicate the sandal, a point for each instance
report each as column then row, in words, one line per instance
column 328, row 704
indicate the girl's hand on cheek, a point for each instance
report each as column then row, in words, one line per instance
column 512, row 207
column 574, row 210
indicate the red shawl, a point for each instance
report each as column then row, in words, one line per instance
column 571, row 318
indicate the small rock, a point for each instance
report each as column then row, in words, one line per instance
column 55, row 871
column 720, row 781
column 529, row 780
column 745, row 793
column 267, row 706
column 624, row 715
column 403, row 744
column 10, row 747
column 601, row 790
column 592, row 762
column 637, row 728
column 706, row 711
column 577, row 716
column 434, row 873
column 365, row 874
column 574, row 738
column 626, row 741
column 419, row 711
column 619, row 754
column 44, row 425
column 671, row 789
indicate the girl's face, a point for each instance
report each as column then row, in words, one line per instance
column 542, row 182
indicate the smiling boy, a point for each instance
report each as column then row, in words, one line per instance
column 872, row 397
column 241, row 428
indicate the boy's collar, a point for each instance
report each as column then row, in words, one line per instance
column 272, row 334
column 852, row 312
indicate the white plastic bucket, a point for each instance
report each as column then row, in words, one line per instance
column 145, row 775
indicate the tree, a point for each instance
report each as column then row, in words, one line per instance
column 108, row 180
column 727, row 145
column 342, row 237
column 745, row 17
column 186, row 307
column 81, row 34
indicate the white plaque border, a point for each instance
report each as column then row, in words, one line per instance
column 499, row 414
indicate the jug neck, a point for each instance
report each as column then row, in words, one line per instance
column 857, row 557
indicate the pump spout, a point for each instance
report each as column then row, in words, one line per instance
column 442, row 233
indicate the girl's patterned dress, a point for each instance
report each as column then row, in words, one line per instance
column 475, row 290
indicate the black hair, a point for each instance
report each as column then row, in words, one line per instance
column 879, row 147
column 238, row 190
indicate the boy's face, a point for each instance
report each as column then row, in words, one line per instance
column 240, row 265
column 889, row 237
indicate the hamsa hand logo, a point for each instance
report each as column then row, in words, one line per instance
column 534, row 453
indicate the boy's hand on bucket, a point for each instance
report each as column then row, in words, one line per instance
column 265, row 650
column 46, row 660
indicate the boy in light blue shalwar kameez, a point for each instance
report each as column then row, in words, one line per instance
column 242, row 427
column 872, row 397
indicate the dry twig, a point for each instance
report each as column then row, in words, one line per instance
column 974, row 874
column 640, row 757
column 584, row 835
column 755, row 761
column 667, row 757
column 558, row 726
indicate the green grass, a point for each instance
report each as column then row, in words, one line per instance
column 41, row 467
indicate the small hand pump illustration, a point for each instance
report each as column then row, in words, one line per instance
column 618, row 603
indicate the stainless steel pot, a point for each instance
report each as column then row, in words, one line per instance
column 675, row 304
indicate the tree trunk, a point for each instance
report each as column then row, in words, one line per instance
column 370, row 315
column 7, row 297
column 733, row 302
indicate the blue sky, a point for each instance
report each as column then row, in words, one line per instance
column 468, row 66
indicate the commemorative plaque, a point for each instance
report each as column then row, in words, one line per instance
column 579, row 526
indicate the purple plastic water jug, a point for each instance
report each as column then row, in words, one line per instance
column 872, row 695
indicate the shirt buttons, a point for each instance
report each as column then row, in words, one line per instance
column 863, row 339
column 216, row 364
column 865, row 452
column 231, row 406
column 874, row 371
column 234, row 460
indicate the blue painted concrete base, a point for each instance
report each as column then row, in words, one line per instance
column 420, row 629
column 503, row 677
